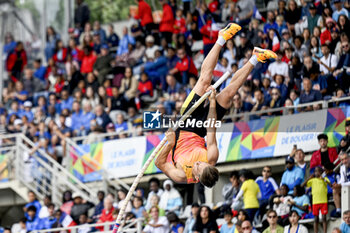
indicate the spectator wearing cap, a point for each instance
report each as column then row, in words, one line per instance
column 293, row 175
column 16, row 61
column 88, row 60
column 124, row 42
column 313, row 19
column 339, row 10
column 80, row 207
column 102, row 66
column 325, row 156
column 145, row 16
column 151, row 48
column 335, row 45
column 166, row 25
column 184, row 66
column 113, row 38
column 97, row 42
column 245, row 45
column 28, row 111
column 100, row 31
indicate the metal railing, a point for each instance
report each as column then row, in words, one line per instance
column 39, row 172
column 134, row 226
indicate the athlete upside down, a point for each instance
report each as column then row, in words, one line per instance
column 186, row 158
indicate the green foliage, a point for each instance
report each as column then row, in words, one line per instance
column 29, row 5
column 107, row 11
column 59, row 19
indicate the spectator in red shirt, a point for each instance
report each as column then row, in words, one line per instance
column 180, row 22
column 107, row 212
column 325, row 36
column 145, row 87
column 88, row 61
column 209, row 36
column 145, row 16
column 16, row 61
column 166, row 26
column 185, row 66
column 325, row 156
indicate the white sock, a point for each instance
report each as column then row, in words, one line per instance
column 253, row 60
column 221, row 41
column 338, row 210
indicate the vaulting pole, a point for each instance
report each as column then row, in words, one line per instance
column 159, row 148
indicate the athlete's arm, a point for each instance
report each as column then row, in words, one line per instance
column 169, row 169
column 213, row 152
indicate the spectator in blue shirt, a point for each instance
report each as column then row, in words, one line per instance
column 66, row 100
column 33, row 221
column 345, row 226
column 300, row 202
column 157, row 69
column 124, row 42
column 102, row 118
column 293, row 175
column 99, row 207
column 85, row 117
column 270, row 24
column 112, row 39
column 76, row 117
column 121, row 125
column 32, row 202
column 173, row 91
column 27, row 111
column 309, row 95
column 339, row 10
column 47, row 222
column 268, row 187
column 40, row 71
column 100, row 31
column 172, row 58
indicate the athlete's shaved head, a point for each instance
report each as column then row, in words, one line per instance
column 209, row 176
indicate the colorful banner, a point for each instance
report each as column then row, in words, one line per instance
column 264, row 138
column 4, row 174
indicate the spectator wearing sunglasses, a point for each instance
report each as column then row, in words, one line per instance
column 272, row 220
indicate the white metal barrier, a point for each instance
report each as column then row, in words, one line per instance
column 40, row 173
column 134, row 226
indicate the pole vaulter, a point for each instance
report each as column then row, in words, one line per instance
column 185, row 158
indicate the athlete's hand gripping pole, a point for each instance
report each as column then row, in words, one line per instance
column 159, row 148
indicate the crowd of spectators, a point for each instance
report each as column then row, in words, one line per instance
column 306, row 191
column 97, row 82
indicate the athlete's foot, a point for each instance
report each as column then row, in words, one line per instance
column 229, row 31
column 263, row 55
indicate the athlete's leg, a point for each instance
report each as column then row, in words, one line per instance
column 211, row 59
column 225, row 97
